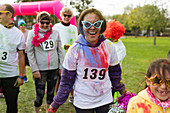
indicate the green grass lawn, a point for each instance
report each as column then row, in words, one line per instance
column 140, row 53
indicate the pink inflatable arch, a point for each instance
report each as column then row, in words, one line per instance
column 30, row 8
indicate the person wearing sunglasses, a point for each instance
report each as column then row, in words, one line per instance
column 12, row 45
column 68, row 34
column 92, row 66
column 155, row 98
column 22, row 27
column 67, row 31
column 45, row 58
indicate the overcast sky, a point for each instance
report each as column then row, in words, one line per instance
column 112, row 7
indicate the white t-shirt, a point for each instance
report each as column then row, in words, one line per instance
column 68, row 34
column 121, row 50
column 92, row 86
column 11, row 40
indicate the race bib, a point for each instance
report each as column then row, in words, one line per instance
column 94, row 74
column 3, row 55
column 48, row 44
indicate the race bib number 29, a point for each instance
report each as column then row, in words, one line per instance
column 48, row 44
column 3, row 56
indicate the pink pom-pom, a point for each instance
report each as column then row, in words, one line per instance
column 124, row 99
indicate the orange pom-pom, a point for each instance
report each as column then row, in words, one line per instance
column 114, row 30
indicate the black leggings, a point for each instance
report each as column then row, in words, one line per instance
column 11, row 93
column 50, row 77
column 101, row 109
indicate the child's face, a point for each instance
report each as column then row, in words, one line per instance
column 160, row 91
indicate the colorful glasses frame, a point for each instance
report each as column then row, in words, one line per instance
column 2, row 12
column 22, row 24
column 88, row 25
column 158, row 81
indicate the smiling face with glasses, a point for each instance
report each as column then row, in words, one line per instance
column 44, row 24
column 22, row 24
column 22, row 27
column 92, row 26
column 66, row 17
column 156, row 80
column 88, row 25
column 160, row 87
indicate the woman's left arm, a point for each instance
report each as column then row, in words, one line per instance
column 115, row 77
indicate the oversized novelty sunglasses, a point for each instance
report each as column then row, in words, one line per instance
column 45, row 22
column 157, row 81
column 67, row 15
column 88, row 25
column 2, row 12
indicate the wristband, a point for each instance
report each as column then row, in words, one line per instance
column 20, row 77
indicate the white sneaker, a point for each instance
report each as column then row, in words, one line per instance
column 71, row 99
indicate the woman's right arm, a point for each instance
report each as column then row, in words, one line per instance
column 68, row 77
column 66, row 84
column 30, row 52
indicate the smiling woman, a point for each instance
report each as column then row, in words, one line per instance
column 45, row 57
column 91, row 31
column 93, row 69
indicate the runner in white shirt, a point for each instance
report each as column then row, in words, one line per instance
column 67, row 31
column 113, row 32
column 120, row 50
column 11, row 51
column 68, row 34
column 92, row 66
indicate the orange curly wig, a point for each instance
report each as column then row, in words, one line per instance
column 114, row 30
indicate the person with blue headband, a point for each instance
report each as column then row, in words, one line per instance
column 22, row 27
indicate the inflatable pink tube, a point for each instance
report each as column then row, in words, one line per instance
column 30, row 8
